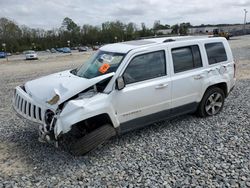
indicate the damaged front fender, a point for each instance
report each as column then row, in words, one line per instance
column 78, row 110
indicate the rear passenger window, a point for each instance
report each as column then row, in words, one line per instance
column 186, row 58
column 215, row 52
column 145, row 67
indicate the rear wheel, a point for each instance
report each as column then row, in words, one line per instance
column 212, row 102
column 93, row 139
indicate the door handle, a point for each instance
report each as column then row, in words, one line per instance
column 211, row 70
column 161, row 86
column 198, row 77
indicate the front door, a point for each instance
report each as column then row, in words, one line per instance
column 147, row 94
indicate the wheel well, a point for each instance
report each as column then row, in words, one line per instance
column 92, row 123
column 222, row 86
column 82, row 128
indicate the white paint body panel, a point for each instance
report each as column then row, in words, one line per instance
column 135, row 100
column 63, row 83
column 142, row 99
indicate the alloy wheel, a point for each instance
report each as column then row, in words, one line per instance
column 214, row 103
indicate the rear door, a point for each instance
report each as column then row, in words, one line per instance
column 187, row 77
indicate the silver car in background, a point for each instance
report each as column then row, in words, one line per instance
column 30, row 55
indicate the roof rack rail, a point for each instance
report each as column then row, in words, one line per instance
column 168, row 40
column 157, row 36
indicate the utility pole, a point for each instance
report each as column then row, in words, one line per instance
column 245, row 21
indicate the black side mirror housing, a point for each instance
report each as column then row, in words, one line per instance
column 120, row 84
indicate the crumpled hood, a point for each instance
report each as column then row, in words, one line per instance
column 63, row 84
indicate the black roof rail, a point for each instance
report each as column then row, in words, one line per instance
column 157, row 36
column 169, row 40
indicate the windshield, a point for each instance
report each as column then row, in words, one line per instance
column 100, row 63
column 30, row 52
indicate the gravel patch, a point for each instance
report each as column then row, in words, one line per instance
column 183, row 152
column 186, row 151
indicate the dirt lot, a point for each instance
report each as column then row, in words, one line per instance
column 186, row 151
column 49, row 63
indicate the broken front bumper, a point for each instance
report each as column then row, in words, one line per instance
column 27, row 108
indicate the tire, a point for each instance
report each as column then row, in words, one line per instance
column 212, row 102
column 92, row 140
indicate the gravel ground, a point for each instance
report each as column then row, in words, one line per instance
column 187, row 151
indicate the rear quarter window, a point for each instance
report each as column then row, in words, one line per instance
column 216, row 52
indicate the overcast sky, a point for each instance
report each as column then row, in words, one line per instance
column 48, row 14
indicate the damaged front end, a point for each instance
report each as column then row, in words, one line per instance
column 46, row 130
column 56, row 107
column 53, row 128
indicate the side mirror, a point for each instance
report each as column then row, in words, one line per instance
column 120, row 84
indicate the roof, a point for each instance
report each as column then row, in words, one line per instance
column 125, row 47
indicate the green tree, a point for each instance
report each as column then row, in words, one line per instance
column 184, row 28
column 158, row 26
column 69, row 25
column 175, row 29
column 130, row 32
column 145, row 32
column 9, row 34
column 19, row 38
column 69, row 31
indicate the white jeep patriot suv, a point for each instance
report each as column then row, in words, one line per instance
column 128, row 85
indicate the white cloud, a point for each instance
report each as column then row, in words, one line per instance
column 50, row 13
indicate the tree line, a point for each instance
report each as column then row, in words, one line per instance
column 19, row 38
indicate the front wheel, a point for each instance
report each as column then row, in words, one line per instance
column 93, row 139
column 212, row 102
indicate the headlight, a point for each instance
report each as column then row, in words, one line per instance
column 49, row 117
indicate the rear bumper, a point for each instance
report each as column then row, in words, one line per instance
column 31, row 58
column 28, row 57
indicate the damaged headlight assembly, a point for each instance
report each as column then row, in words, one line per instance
column 47, row 130
column 48, row 117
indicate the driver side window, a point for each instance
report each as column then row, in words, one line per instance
column 145, row 67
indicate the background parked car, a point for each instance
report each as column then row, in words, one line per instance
column 83, row 49
column 53, row 50
column 30, row 55
column 66, row 50
column 59, row 49
column 2, row 55
column 96, row 47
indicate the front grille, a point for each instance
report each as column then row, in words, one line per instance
column 24, row 107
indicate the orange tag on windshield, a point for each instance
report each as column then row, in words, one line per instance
column 104, row 68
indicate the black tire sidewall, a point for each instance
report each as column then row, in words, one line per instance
column 88, row 142
column 201, row 109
